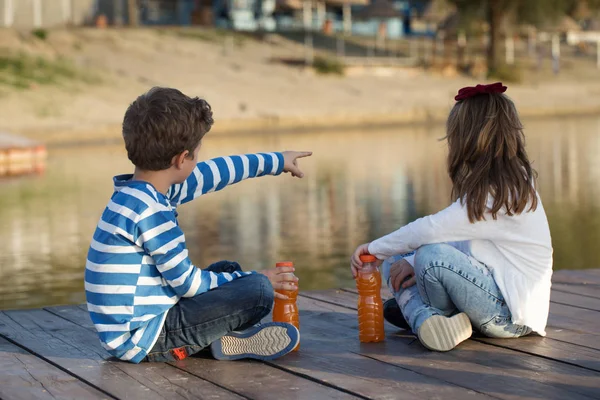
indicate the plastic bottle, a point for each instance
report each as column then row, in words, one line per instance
column 287, row 310
column 370, row 306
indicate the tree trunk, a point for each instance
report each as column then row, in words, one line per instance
column 133, row 12
column 495, row 14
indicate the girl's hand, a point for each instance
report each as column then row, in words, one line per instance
column 290, row 162
column 399, row 272
column 282, row 278
column 355, row 263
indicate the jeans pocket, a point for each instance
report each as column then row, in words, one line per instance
column 500, row 327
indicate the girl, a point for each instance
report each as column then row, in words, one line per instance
column 486, row 260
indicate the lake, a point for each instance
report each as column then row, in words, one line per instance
column 359, row 185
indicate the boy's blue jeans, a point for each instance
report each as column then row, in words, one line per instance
column 449, row 282
column 195, row 322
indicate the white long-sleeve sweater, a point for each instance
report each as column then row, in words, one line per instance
column 517, row 249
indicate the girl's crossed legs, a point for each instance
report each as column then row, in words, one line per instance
column 452, row 290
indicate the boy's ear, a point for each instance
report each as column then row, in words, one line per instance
column 180, row 158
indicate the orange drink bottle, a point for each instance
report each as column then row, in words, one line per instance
column 287, row 310
column 370, row 306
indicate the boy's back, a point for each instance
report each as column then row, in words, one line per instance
column 138, row 267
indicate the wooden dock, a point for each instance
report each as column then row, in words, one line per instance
column 21, row 156
column 54, row 353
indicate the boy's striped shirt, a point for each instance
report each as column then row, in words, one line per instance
column 138, row 267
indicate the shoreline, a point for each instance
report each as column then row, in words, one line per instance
column 250, row 93
column 110, row 133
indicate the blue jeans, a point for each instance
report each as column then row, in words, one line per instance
column 449, row 282
column 195, row 322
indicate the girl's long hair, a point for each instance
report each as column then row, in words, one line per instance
column 487, row 157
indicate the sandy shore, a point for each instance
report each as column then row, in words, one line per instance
column 248, row 91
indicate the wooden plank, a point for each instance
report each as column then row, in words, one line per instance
column 566, row 323
column 584, row 276
column 554, row 349
column 335, row 359
column 24, row 376
column 588, row 290
column 77, row 314
column 323, row 358
column 247, row 378
column 574, row 318
column 341, row 297
column 575, row 337
column 564, row 326
column 489, row 369
column 77, row 350
column 260, row 381
column 575, row 300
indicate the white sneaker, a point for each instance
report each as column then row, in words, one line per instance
column 439, row 333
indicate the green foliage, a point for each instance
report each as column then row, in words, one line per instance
column 535, row 12
column 40, row 33
column 325, row 66
column 23, row 71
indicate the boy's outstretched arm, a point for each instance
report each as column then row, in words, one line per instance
column 213, row 175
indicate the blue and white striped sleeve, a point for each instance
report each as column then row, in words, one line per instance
column 163, row 240
column 213, row 175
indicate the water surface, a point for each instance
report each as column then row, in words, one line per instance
column 359, row 185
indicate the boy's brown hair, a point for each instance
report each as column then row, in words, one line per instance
column 487, row 156
column 162, row 123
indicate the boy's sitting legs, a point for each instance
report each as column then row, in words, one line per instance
column 196, row 322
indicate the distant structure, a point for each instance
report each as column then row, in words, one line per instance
column 20, row 156
column 402, row 17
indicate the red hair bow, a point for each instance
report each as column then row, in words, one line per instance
column 471, row 91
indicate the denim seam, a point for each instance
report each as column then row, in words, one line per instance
column 490, row 320
column 188, row 346
column 211, row 321
column 259, row 304
column 518, row 333
column 432, row 265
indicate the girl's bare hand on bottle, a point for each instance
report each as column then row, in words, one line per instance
column 355, row 263
column 282, row 278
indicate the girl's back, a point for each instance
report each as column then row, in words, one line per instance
column 497, row 217
column 518, row 251
column 493, row 178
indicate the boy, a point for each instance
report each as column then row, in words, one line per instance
column 146, row 299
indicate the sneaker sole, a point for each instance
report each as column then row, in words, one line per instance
column 440, row 333
column 266, row 342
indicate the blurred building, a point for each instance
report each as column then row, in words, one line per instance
column 400, row 17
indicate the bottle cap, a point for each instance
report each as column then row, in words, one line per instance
column 368, row 258
column 285, row 264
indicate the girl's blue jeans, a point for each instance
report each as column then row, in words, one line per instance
column 449, row 282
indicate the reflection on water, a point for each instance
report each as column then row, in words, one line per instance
column 359, row 185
